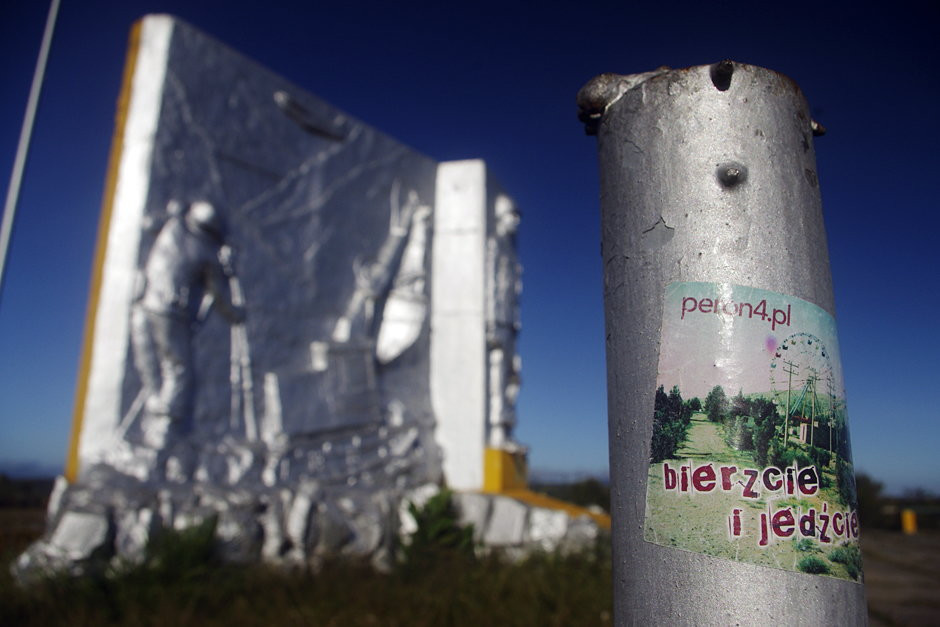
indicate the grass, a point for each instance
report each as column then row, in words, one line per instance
column 850, row 557
column 543, row 590
column 182, row 583
column 813, row 565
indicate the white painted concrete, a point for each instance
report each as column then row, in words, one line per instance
column 101, row 412
column 458, row 341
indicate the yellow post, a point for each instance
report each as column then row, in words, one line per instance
column 504, row 470
column 908, row 521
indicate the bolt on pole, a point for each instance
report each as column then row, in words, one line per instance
column 731, row 504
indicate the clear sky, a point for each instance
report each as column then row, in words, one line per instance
column 498, row 81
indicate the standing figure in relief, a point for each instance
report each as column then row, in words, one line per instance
column 188, row 268
column 504, row 284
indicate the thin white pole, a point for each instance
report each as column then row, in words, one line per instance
column 19, row 164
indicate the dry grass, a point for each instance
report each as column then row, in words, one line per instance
column 452, row 589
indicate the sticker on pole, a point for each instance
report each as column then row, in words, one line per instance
column 750, row 457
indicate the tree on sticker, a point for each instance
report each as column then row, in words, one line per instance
column 766, row 419
column 737, row 425
column 716, row 404
column 740, row 406
column 845, row 477
column 671, row 417
column 841, row 444
column 678, row 410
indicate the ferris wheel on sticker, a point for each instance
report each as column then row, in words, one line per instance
column 801, row 379
column 804, row 350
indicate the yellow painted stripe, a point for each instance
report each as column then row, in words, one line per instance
column 543, row 500
column 104, row 224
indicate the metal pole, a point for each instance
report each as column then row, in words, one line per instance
column 708, row 177
column 19, row 164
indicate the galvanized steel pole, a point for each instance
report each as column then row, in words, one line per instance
column 22, row 149
column 708, row 175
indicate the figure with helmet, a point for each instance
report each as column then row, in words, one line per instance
column 188, row 268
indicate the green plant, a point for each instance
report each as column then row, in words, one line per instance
column 716, row 404
column 805, row 545
column 746, row 437
column 850, row 557
column 820, row 456
column 671, row 419
column 813, row 565
column 738, row 432
column 545, row 589
column 182, row 554
column 765, row 426
column 845, row 476
column 784, row 457
column 439, row 533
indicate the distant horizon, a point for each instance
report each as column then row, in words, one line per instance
column 32, row 470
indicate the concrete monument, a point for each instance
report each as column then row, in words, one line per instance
column 296, row 325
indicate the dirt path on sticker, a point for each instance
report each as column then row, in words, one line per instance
column 700, row 522
column 704, row 441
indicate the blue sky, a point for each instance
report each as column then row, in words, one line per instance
column 498, row 83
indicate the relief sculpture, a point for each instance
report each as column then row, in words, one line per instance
column 288, row 399
column 185, row 276
column 504, row 285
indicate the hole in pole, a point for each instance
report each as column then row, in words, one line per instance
column 721, row 74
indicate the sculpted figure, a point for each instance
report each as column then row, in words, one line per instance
column 406, row 304
column 187, row 271
column 383, row 317
column 375, row 280
column 503, row 324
